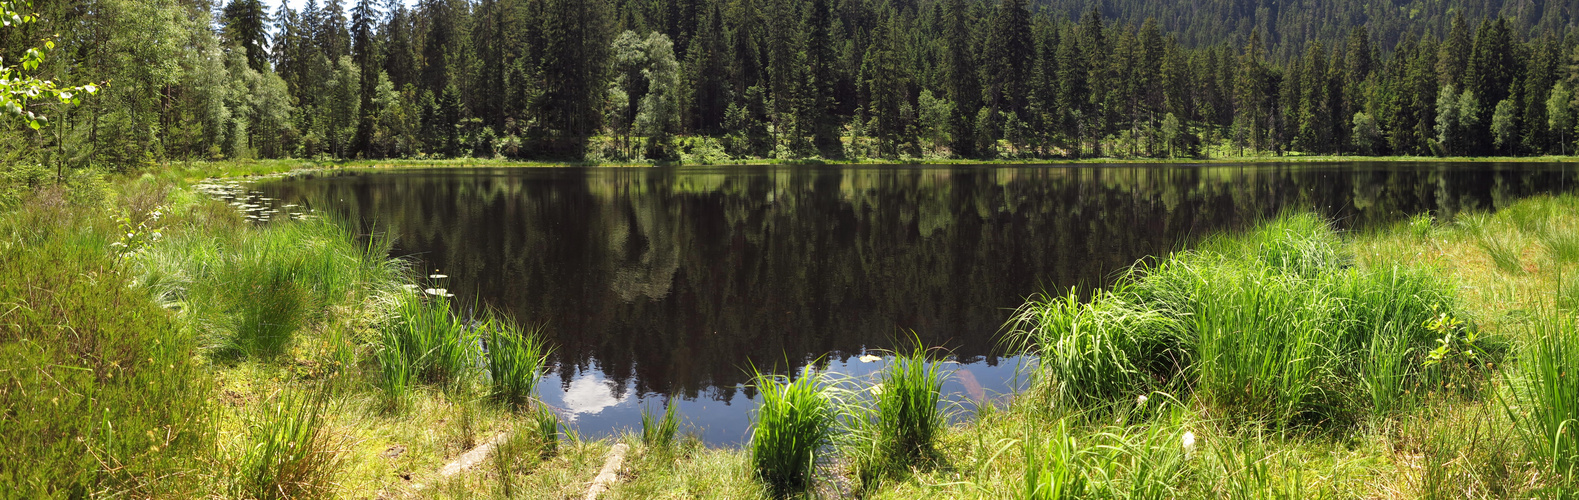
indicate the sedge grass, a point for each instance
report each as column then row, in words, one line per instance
column 793, row 424
column 516, row 359
column 424, row 341
column 1276, row 324
column 900, row 428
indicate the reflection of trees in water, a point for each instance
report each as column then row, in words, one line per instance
column 679, row 279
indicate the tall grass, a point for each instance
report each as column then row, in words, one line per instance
column 246, row 291
column 1126, row 459
column 1545, row 397
column 793, row 424
column 1102, row 350
column 1275, row 324
column 516, row 359
column 288, row 452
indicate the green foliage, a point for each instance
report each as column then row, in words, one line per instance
column 248, row 290
column 1544, row 398
column 793, row 424
column 424, row 341
column 17, row 89
column 898, row 430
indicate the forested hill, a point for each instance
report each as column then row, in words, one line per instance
column 721, row 80
column 1288, row 25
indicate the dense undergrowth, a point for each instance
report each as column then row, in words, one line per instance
column 158, row 345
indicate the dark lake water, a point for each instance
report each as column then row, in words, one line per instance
column 668, row 284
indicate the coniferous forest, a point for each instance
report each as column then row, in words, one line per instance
column 717, row 80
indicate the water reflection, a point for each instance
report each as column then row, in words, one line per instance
column 672, row 282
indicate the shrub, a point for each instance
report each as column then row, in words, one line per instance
column 99, row 391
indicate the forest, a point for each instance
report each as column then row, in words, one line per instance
column 709, row 81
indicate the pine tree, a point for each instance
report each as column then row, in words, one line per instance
column 821, row 106
column 964, row 87
column 1007, row 58
column 245, row 26
column 574, row 60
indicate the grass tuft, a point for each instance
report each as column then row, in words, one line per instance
column 288, row 453
column 658, row 432
column 901, row 428
column 794, row 422
column 1545, row 399
column 516, row 359
column 424, row 341
column 1276, row 325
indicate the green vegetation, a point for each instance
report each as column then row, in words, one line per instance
column 516, row 360
column 288, row 453
column 1274, row 324
column 658, row 432
column 426, row 342
column 162, row 346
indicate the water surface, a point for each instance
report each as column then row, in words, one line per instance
column 669, row 284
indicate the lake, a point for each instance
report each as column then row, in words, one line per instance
column 672, row 283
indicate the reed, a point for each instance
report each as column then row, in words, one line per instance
column 793, row 424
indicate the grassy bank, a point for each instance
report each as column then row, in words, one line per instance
column 163, row 346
